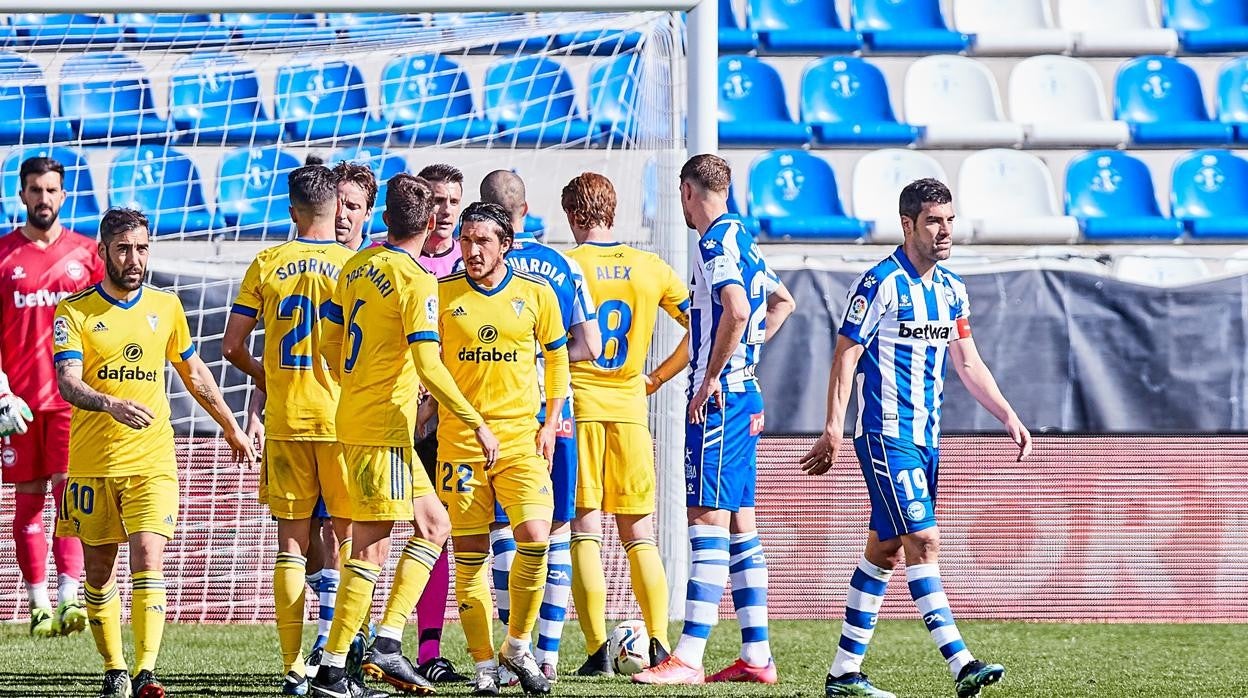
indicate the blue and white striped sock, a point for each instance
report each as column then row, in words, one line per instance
column 503, row 545
column 929, row 595
column 554, row 607
column 862, row 606
column 748, row 567
column 327, row 595
column 707, row 579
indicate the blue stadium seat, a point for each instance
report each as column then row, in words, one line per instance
column 1233, row 96
column 750, row 222
column 604, row 42
column 906, row 26
column 531, row 101
column 25, row 104
column 1207, row 193
column 374, row 25
column 752, row 106
column 793, row 195
column 845, row 101
column 214, row 99
column 427, row 99
column 81, row 211
column 1208, row 26
column 384, row 165
column 8, row 33
column 58, row 30
column 801, row 26
column 108, row 97
column 732, row 38
column 1160, row 99
column 1111, row 193
column 169, row 28
column 612, row 89
column 277, row 27
column 162, row 183
column 323, row 98
column 252, row 192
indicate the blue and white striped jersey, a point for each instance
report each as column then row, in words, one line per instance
column 906, row 325
column 728, row 256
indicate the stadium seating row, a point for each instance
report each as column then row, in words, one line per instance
column 214, row 98
column 954, row 101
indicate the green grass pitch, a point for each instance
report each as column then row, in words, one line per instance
column 1043, row 660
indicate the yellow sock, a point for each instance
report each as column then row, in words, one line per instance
column 649, row 579
column 476, row 610
column 415, row 565
column 288, row 603
column 344, row 556
column 589, row 589
column 104, row 614
column 526, row 582
column 355, row 596
column 147, row 617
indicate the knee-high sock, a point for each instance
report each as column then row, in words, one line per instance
column 104, row 612
column 31, row 546
column 707, row 579
column 929, row 595
column 67, row 552
column 288, row 604
column 554, row 609
column 355, row 597
column 503, row 545
column 748, row 568
column 147, row 616
column 431, row 609
column 589, row 589
column 862, row 606
column 475, row 612
column 649, row 579
column 415, row 564
column 327, row 597
column 527, row 580
column 344, row 555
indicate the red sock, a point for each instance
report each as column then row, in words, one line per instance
column 29, row 537
column 431, row 610
column 66, row 551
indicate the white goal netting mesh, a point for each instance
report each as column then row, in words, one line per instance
column 197, row 119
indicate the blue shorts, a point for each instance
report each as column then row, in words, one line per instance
column 721, row 454
column 319, row 511
column 901, row 479
column 562, row 469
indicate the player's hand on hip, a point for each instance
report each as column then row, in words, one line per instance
column 242, row 446
column 1020, row 435
column 822, row 455
column 15, row 415
column 489, row 445
column 546, row 443
column 710, row 392
column 131, row 413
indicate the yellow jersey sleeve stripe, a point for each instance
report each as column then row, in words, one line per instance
column 684, row 305
column 244, row 310
column 187, row 352
column 556, row 344
column 422, row 337
column 332, row 311
column 70, row 354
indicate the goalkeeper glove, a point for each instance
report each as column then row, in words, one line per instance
column 15, row 414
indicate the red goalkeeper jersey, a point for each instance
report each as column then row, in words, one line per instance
column 32, row 281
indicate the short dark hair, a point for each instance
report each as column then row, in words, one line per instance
column 919, row 192
column 313, row 159
column 121, row 220
column 707, row 171
column 442, row 172
column 312, row 187
column 409, row 206
column 486, row 212
column 361, row 176
column 39, row 166
column 505, row 189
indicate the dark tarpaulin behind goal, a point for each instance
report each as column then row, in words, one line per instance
column 1071, row 351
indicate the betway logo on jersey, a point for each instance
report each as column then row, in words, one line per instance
column 933, row 331
column 42, row 298
column 478, row 355
column 122, row 374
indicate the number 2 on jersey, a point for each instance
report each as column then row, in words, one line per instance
column 301, row 313
column 449, row 471
column 615, row 319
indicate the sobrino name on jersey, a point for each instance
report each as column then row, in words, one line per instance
column 307, row 266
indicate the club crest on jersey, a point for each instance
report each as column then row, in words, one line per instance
column 60, row 331
column 857, row 310
column 153, row 320
column 74, row 270
column 949, row 296
column 8, row 456
column 916, row 511
column 517, row 304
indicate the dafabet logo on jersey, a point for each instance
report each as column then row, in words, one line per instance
column 132, row 353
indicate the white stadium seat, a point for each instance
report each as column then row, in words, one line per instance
column 1060, row 101
column 1161, row 266
column 1010, row 27
column 879, row 177
column 955, row 98
column 1008, row 195
column 1116, row 27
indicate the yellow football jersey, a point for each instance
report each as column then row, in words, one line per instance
column 286, row 287
column 123, row 346
column 630, row 286
column 489, row 344
column 384, row 302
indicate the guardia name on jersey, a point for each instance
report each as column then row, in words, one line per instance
column 728, row 255
column 905, row 325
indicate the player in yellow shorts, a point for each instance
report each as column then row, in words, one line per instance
column 492, row 320
column 285, row 287
column 614, row 448
column 383, row 296
column 110, row 344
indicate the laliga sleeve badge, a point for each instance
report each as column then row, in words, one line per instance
column 857, row 310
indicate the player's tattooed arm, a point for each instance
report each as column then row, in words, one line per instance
column 77, row 393
column 197, row 378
